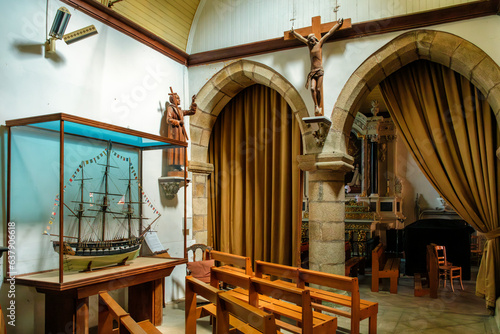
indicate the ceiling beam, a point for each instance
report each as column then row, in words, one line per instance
column 362, row 29
column 117, row 21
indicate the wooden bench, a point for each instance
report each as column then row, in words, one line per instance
column 227, row 310
column 110, row 311
column 353, row 264
column 359, row 309
column 288, row 302
column 233, row 262
column 428, row 282
column 383, row 267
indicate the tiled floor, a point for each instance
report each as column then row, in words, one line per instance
column 458, row 312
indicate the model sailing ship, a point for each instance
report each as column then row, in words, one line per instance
column 105, row 229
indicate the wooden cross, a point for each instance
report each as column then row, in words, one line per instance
column 317, row 28
column 315, row 79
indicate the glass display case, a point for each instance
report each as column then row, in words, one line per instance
column 77, row 196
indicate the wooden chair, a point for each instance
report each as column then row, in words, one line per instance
column 476, row 248
column 447, row 269
column 200, row 266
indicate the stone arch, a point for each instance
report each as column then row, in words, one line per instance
column 223, row 86
column 437, row 46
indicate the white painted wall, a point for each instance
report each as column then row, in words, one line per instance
column 224, row 23
column 108, row 77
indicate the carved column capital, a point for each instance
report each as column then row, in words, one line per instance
column 200, row 167
column 339, row 162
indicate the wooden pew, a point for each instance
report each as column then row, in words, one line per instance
column 383, row 267
column 230, row 307
column 110, row 310
column 359, row 309
column 243, row 263
column 429, row 282
column 353, row 264
column 289, row 302
column 227, row 311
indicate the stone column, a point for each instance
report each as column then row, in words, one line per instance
column 326, row 210
column 200, row 171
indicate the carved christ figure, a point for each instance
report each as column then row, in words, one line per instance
column 315, row 76
column 175, row 128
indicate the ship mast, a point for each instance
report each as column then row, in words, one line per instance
column 129, row 204
column 104, row 207
column 80, row 208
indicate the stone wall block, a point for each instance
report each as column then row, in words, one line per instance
column 338, row 118
column 336, row 269
column 443, row 47
column 494, row 101
column 279, row 84
column 406, row 47
column 324, row 253
column 424, row 41
column 203, row 120
column 337, row 140
column 198, row 223
column 205, row 138
column 294, row 100
column 199, row 153
column 358, row 88
column 466, row 58
column 237, row 74
column 200, row 206
column 220, row 105
column 195, row 134
column 332, row 231
column 486, row 75
column 263, row 75
column 248, row 69
column 326, row 211
column 388, row 59
column 371, row 72
column 200, row 237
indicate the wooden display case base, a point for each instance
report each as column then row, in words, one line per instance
column 67, row 303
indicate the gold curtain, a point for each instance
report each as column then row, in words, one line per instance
column 453, row 135
column 255, row 197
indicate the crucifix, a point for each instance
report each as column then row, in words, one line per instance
column 315, row 41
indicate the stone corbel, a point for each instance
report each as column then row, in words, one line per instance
column 323, row 124
column 171, row 185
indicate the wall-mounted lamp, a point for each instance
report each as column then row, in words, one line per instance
column 59, row 25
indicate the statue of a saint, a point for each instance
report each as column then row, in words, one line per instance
column 315, row 76
column 175, row 128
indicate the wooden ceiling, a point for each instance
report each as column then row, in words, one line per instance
column 168, row 19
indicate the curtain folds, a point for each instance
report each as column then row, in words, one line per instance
column 453, row 135
column 254, row 190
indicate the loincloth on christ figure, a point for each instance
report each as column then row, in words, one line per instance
column 314, row 74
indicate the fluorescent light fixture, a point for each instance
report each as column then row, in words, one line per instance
column 80, row 34
column 60, row 23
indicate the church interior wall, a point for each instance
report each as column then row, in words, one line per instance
column 112, row 78
column 109, row 78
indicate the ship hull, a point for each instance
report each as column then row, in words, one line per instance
column 87, row 256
